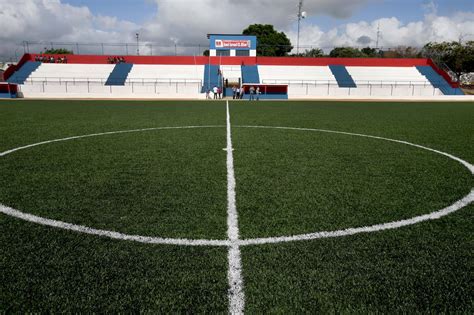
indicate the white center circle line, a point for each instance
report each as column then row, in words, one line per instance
column 461, row 203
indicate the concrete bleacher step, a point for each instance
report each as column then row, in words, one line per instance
column 250, row 74
column 21, row 75
column 211, row 77
column 119, row 75
column 438, row 81
column 343, row 78
column 233, row 73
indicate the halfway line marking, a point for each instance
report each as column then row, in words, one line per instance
column 234, row 275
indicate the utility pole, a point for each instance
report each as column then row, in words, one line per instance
column 138, row 44
column 378, row 37
column 301, row 15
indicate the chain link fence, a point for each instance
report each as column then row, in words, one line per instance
column 178, row 49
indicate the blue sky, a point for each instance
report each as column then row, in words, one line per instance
column 139, row 11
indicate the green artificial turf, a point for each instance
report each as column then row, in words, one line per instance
column 294, row 182
column 153, row 183
column 421, row 269
column 51, row 270
column 172, row 183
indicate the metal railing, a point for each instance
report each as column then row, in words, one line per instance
column 389, row 90
column 329, row 88
column 120, row 49
column 289, row 82
column 74, row 80
column 97, row 87
column 357, row 82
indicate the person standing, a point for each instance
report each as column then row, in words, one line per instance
column 252, row 93
column 257, row 93
column 237, row 93
column 242, row 92
column 215, row 90
column 234, row 91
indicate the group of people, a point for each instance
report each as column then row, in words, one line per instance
column 216, row 91
column 115, row 59
column 51, row 59
column 254, row 93
column 237, row 93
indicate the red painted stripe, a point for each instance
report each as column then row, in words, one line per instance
column 443, row 74
column 9, row 72
column 283, row 61
column 276, row 61
column 361, row 62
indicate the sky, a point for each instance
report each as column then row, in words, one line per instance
column 164, row 23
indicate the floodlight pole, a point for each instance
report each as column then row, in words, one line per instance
column 300, row 16
column 138, row 43
column 378, row 37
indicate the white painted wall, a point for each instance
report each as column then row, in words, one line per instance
column 185, row 81
column 97, row 90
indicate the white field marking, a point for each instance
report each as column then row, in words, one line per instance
column 365, row 229
column 111, row 234
column 469, row 166
column 102, row 134
column 256, row 241
column 466, row 200
column 234, row 274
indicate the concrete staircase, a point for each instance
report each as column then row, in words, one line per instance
column 119, row 74
column 438, row 81
column 343, row 78
column 21, row 75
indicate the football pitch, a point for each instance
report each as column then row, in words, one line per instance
column 255, row 207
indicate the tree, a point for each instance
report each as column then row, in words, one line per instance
column 346, row 52
column 458, row 57
column 407, row 52
column 206, row 53
column 270, row 41
column 369, row 52
column 58, row 51
column 311, row 53
column 467, row 65
column 314, row 53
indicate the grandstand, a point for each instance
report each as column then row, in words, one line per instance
column 189, row 77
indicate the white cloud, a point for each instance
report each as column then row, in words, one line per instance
column 175, row 22
column 393, row 32
column 189, row 21
column 53, row 21
column 184, row 22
